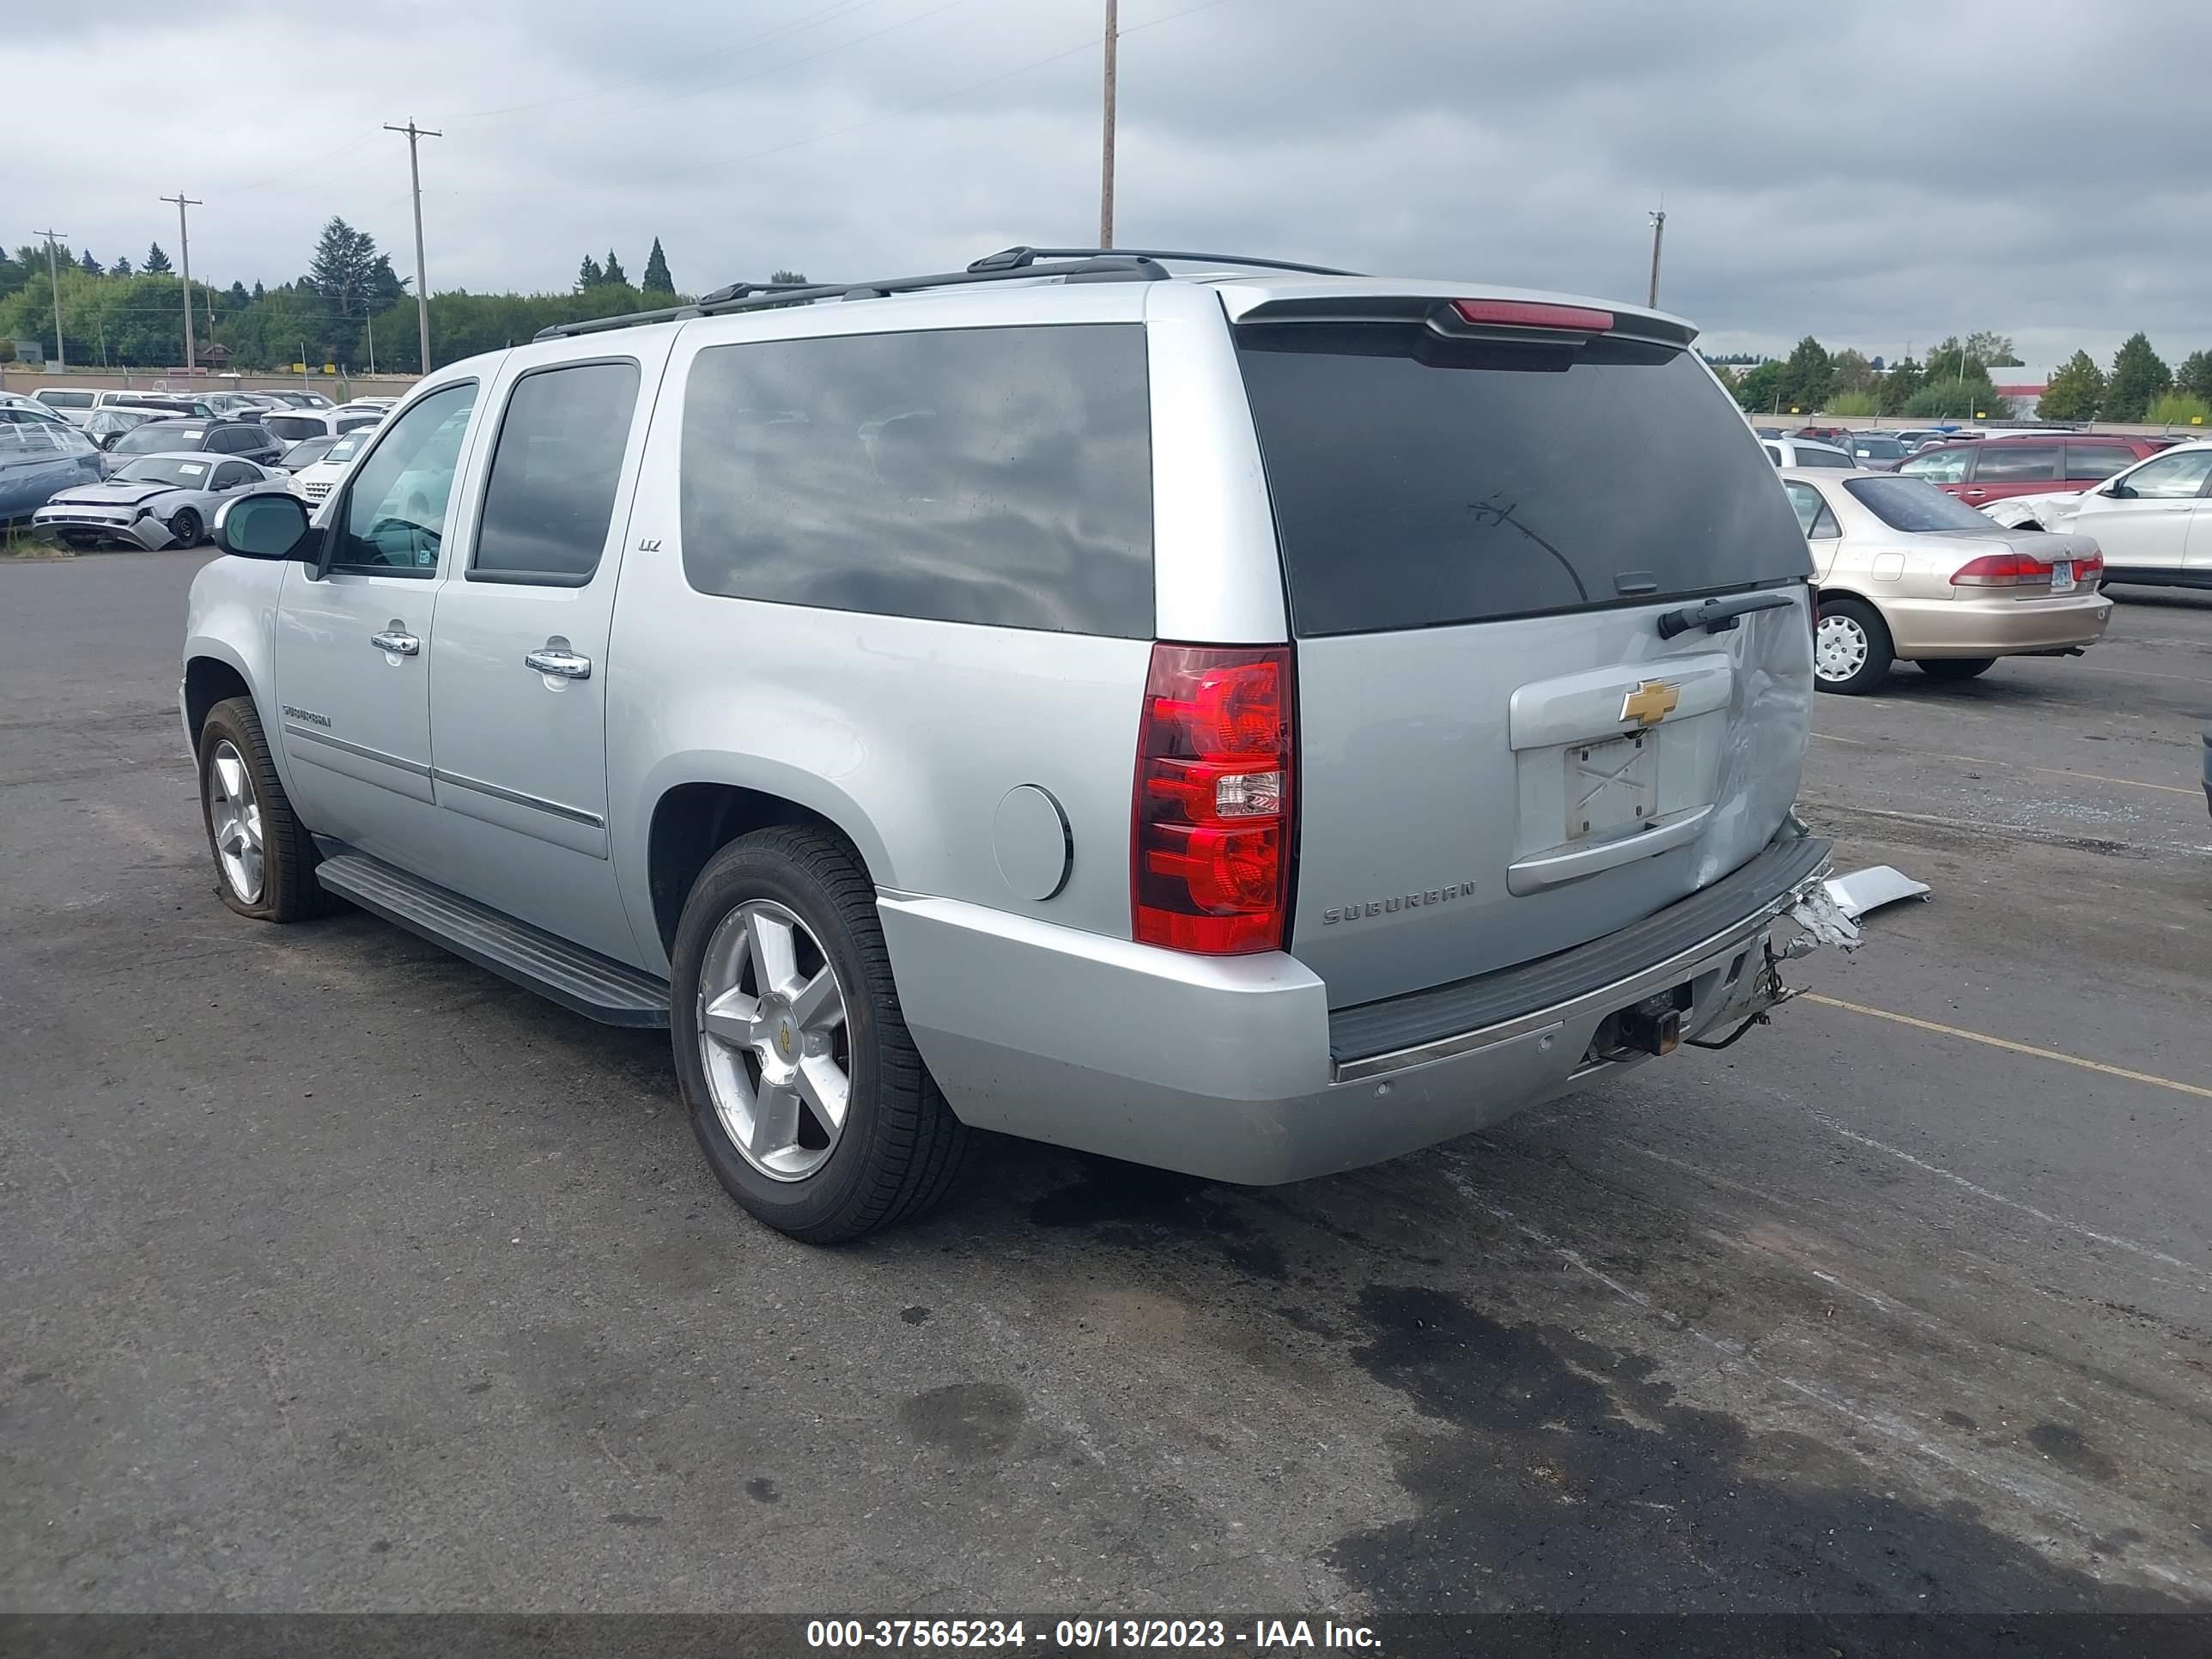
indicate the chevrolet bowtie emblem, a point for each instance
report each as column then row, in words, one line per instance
column 1650, row 703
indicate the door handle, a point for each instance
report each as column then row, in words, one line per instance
column 1977, row 492
column 555, row 657
column 396, row 639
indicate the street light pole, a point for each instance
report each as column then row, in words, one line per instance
column 185, row 248
column 1658, row 231
column 415, row 183
column 1106, row 148
column 54, row 276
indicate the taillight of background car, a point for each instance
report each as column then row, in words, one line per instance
column 1210, row 851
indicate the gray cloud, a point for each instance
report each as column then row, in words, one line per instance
column 1877, row 175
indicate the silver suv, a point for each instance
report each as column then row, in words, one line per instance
column 1202, row 711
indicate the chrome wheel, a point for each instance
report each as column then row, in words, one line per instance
column 1839, row 647
column 773, row 1040
column 235, row 815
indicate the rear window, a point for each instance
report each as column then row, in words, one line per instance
column 990, row 475
column 1418, row 482
column 293, row 427
column 1910, row 504
column 2094, row 461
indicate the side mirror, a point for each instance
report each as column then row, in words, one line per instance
column 264, row 524
column 2118, row 492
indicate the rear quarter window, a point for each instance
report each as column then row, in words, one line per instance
column 1419, row 482
column 994, row 475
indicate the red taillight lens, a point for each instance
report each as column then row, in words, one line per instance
column 1210, row 847
column 1531, row 313
column 2090, row 570
column 2002, row 570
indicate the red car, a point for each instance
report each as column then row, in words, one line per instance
column 1987, row 469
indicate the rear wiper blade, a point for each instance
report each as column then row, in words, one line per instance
column 1718, row 616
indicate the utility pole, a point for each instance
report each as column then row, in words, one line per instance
column 415, row 182
column 1658, row 231
column 185, row 246
column 1106, row 150
column 371, row 316
column 54, row 276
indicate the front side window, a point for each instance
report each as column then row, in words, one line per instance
column 1939, row 465
column 2019, row 464
column 2170, row 477
column 1000, row 476
column 394, row 519
column 551, row 493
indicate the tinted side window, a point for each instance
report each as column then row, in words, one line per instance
column 2171, row 477
column 395, row 510
column 2097, row 460
column 987, row 475
column 1834, row 457
column 2017, row 462
column 551, row 493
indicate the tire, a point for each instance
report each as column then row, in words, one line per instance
column 1957, row 668
column 186, row 527
column 284, row 887
column 1851, row 651
column 897, row 1149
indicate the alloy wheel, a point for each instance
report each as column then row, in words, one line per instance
column 235, row 815
column 774, row 1039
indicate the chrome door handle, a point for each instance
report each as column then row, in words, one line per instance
column 397, row 640
column 555, row 658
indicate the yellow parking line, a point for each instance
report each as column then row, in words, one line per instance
column 1977, row 760
column 2008, row 1043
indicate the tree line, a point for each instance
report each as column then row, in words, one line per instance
column 1954, row 383
column 349, row 308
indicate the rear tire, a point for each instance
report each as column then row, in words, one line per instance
column 1851, row 650
column 1957, row 668
column 755, row 1066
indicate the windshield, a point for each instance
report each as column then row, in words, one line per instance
column 307, row 451
column 1880, row 449
column 168, row 470
column 1909, row 504
column 347, row 448
column 158, row 435
column 1419, row 482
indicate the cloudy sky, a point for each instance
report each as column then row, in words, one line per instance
column 1877, row 174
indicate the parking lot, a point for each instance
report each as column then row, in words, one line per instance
column 341, row 1275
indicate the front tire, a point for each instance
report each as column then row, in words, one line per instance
column 1956, row 668
column 186, row 527
column 808, row 1096
column 264, row 858
column 1851, row 650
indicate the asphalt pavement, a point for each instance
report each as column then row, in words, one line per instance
column 335, row 1274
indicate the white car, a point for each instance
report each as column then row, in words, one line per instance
column 1803, row 452
column 315, row 481
column 293, row 424
column 2153, row 521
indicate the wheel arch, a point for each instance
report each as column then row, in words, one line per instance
column 691, row 822
column 211, row 676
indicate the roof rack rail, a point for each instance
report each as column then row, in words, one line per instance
column 1015, row 259
column 1117, row 266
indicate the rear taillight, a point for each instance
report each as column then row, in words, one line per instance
column 2090, row 570
column 2002, row 570
column 1210, row 846
column 1533, row 313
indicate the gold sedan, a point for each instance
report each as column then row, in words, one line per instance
column 1907, row 573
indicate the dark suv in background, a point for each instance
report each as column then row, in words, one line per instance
column 247, row 439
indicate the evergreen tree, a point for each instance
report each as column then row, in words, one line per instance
column 157, row 263
column 658, row 281
column 1808, row 377
column 257, row 294
column 588, row 274
column 614, row 270
column 2195, row 376
column 238, row 296
column 2138, row 376
column 120, row 268
column 2075, row 392
column 86, row 263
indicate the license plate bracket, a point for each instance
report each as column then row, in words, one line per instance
column 1613, row 786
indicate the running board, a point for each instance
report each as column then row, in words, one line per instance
column 594, row 985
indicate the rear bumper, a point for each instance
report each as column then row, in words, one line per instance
column 1993, row 628
column 1225, row 1067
